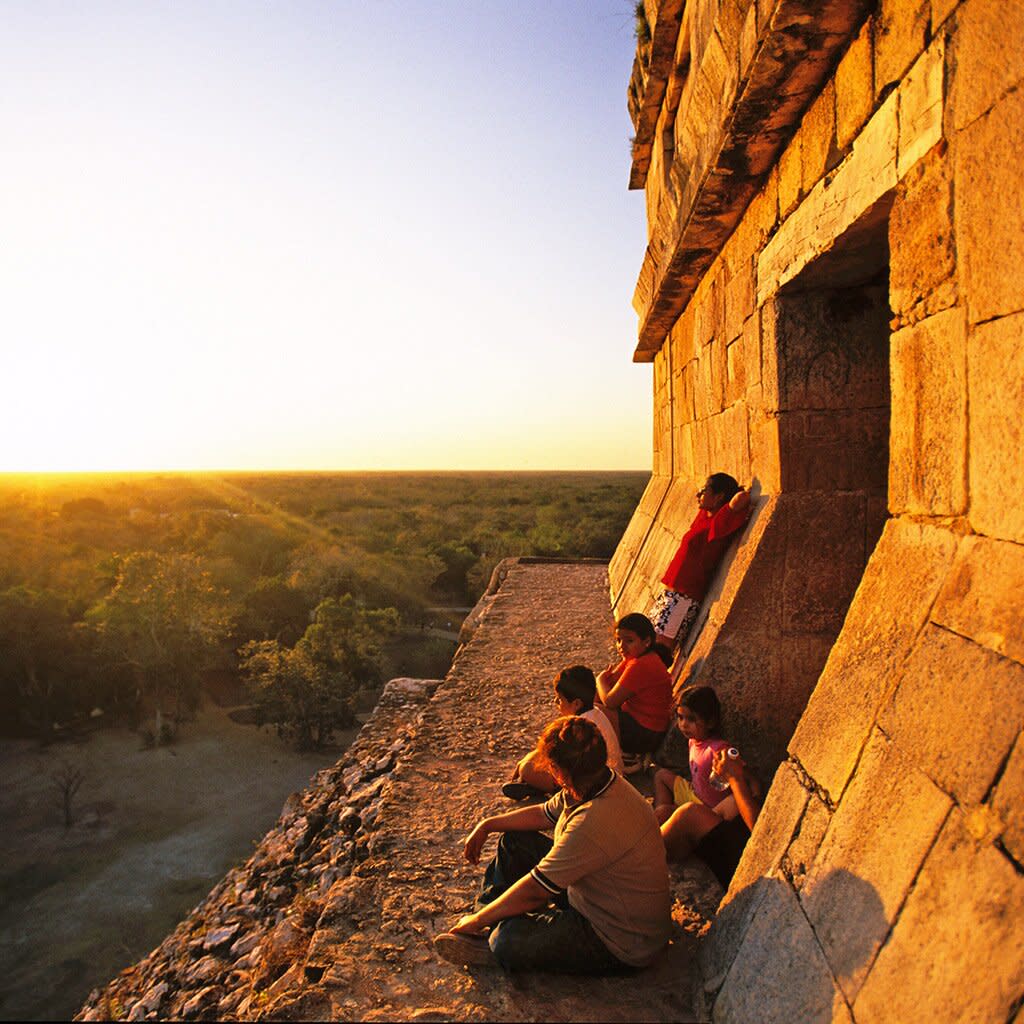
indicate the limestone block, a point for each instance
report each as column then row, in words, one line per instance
column 891, row 605
column 779, row 819
column 901, row 32
column 854, row 84
column 728, row 442
column 824, row 560
column 883, row 828
column 922, row 261
column 709, row 310
column 826, row 451
column 868, row 173
column 958, row 948
column 751, row 349
column 928, row 427
column 988, row 55
column 1008, row 800
column 991, row 247
column 682, row 341
column 736, row 372
column 635, row 533
column 790, row 177
column 981, row 597
column 818, row 138
column 770, row 360
column 718, row 947
column 804, row 847
column 920, row 107
column 684, row 393
column 779, row 973
column 953, row 728
column 763, row 432
column 739, row 298
column 995, row 363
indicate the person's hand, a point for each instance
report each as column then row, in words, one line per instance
column 475, row 843
column 728, row 768
column 468, row 925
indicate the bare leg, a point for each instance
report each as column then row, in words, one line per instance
column 528, row 772
column 727, row 809
column 664, row 787
column 685, row 829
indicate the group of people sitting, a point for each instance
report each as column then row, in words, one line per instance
column 594, row 895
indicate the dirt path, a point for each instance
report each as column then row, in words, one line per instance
column 154, row 830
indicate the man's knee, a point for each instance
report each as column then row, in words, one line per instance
column 509, row 942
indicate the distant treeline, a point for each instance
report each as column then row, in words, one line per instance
column 121, row 592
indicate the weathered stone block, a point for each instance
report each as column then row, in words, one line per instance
column 739, row 298
column 709, row 310
column 736, row 372
column 891, row 605
column 718, row 948
column 797, row 860
column 958, row 948
column 779, row 974
column 790, row 177
column 922, row 261
column 779, row 818
column 988, row 54
column 1008, row 800
column 981, row 597
column 818, row 138
column 900, row 35
column 824, row 561
column 941, row 10
column 956, row 711
column 883, row 828
column 854, row 83
column 681, row 338
column 765, row 461
column 751, row 349
column 928, row 439
column 867, row 174
column 995, row 361
column 991, row 248
column 920, row 107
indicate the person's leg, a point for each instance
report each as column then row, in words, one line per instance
column 557, row 939
column 518, row 853
column 664, row 804
column 686, row 827
column 726, row 809
column 634, row 738
column 528, row 772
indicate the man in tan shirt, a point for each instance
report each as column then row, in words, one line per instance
column 595, row 898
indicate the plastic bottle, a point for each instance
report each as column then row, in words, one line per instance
column 717, row 780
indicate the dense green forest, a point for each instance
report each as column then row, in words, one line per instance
column 125, row 593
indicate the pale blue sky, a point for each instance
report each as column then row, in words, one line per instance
column 319, row 235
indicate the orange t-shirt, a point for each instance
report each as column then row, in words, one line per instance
column 650, row 688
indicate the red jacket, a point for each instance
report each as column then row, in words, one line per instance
column 701, row 550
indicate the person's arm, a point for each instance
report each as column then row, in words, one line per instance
column 521, row 898
column 734, row 770
column 523, row 819
column 740, row 500
column 610, row 691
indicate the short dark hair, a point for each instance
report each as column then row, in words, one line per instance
column 577, row 683
column 723, row 484
column 704, row 703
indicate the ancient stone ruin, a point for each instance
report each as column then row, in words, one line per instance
column 832, row 298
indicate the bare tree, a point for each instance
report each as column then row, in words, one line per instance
column 68, row 782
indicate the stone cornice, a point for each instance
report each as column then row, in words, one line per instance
column 795, row 53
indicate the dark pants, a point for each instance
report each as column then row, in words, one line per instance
column 555, row 938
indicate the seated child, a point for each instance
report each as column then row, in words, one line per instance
column 575, row 689
column 636, row 694
column 723, row 509
column 699, row 719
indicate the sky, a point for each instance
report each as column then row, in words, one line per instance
column 319, row 235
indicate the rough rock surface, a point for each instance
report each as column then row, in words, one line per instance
column 333, row 915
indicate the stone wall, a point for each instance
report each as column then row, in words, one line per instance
column 833, row 300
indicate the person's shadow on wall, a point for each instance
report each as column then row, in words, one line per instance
column 773, row 955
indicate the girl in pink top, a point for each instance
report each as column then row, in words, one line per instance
column 699, row 719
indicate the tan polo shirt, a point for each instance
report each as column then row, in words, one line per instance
column 609, row 856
